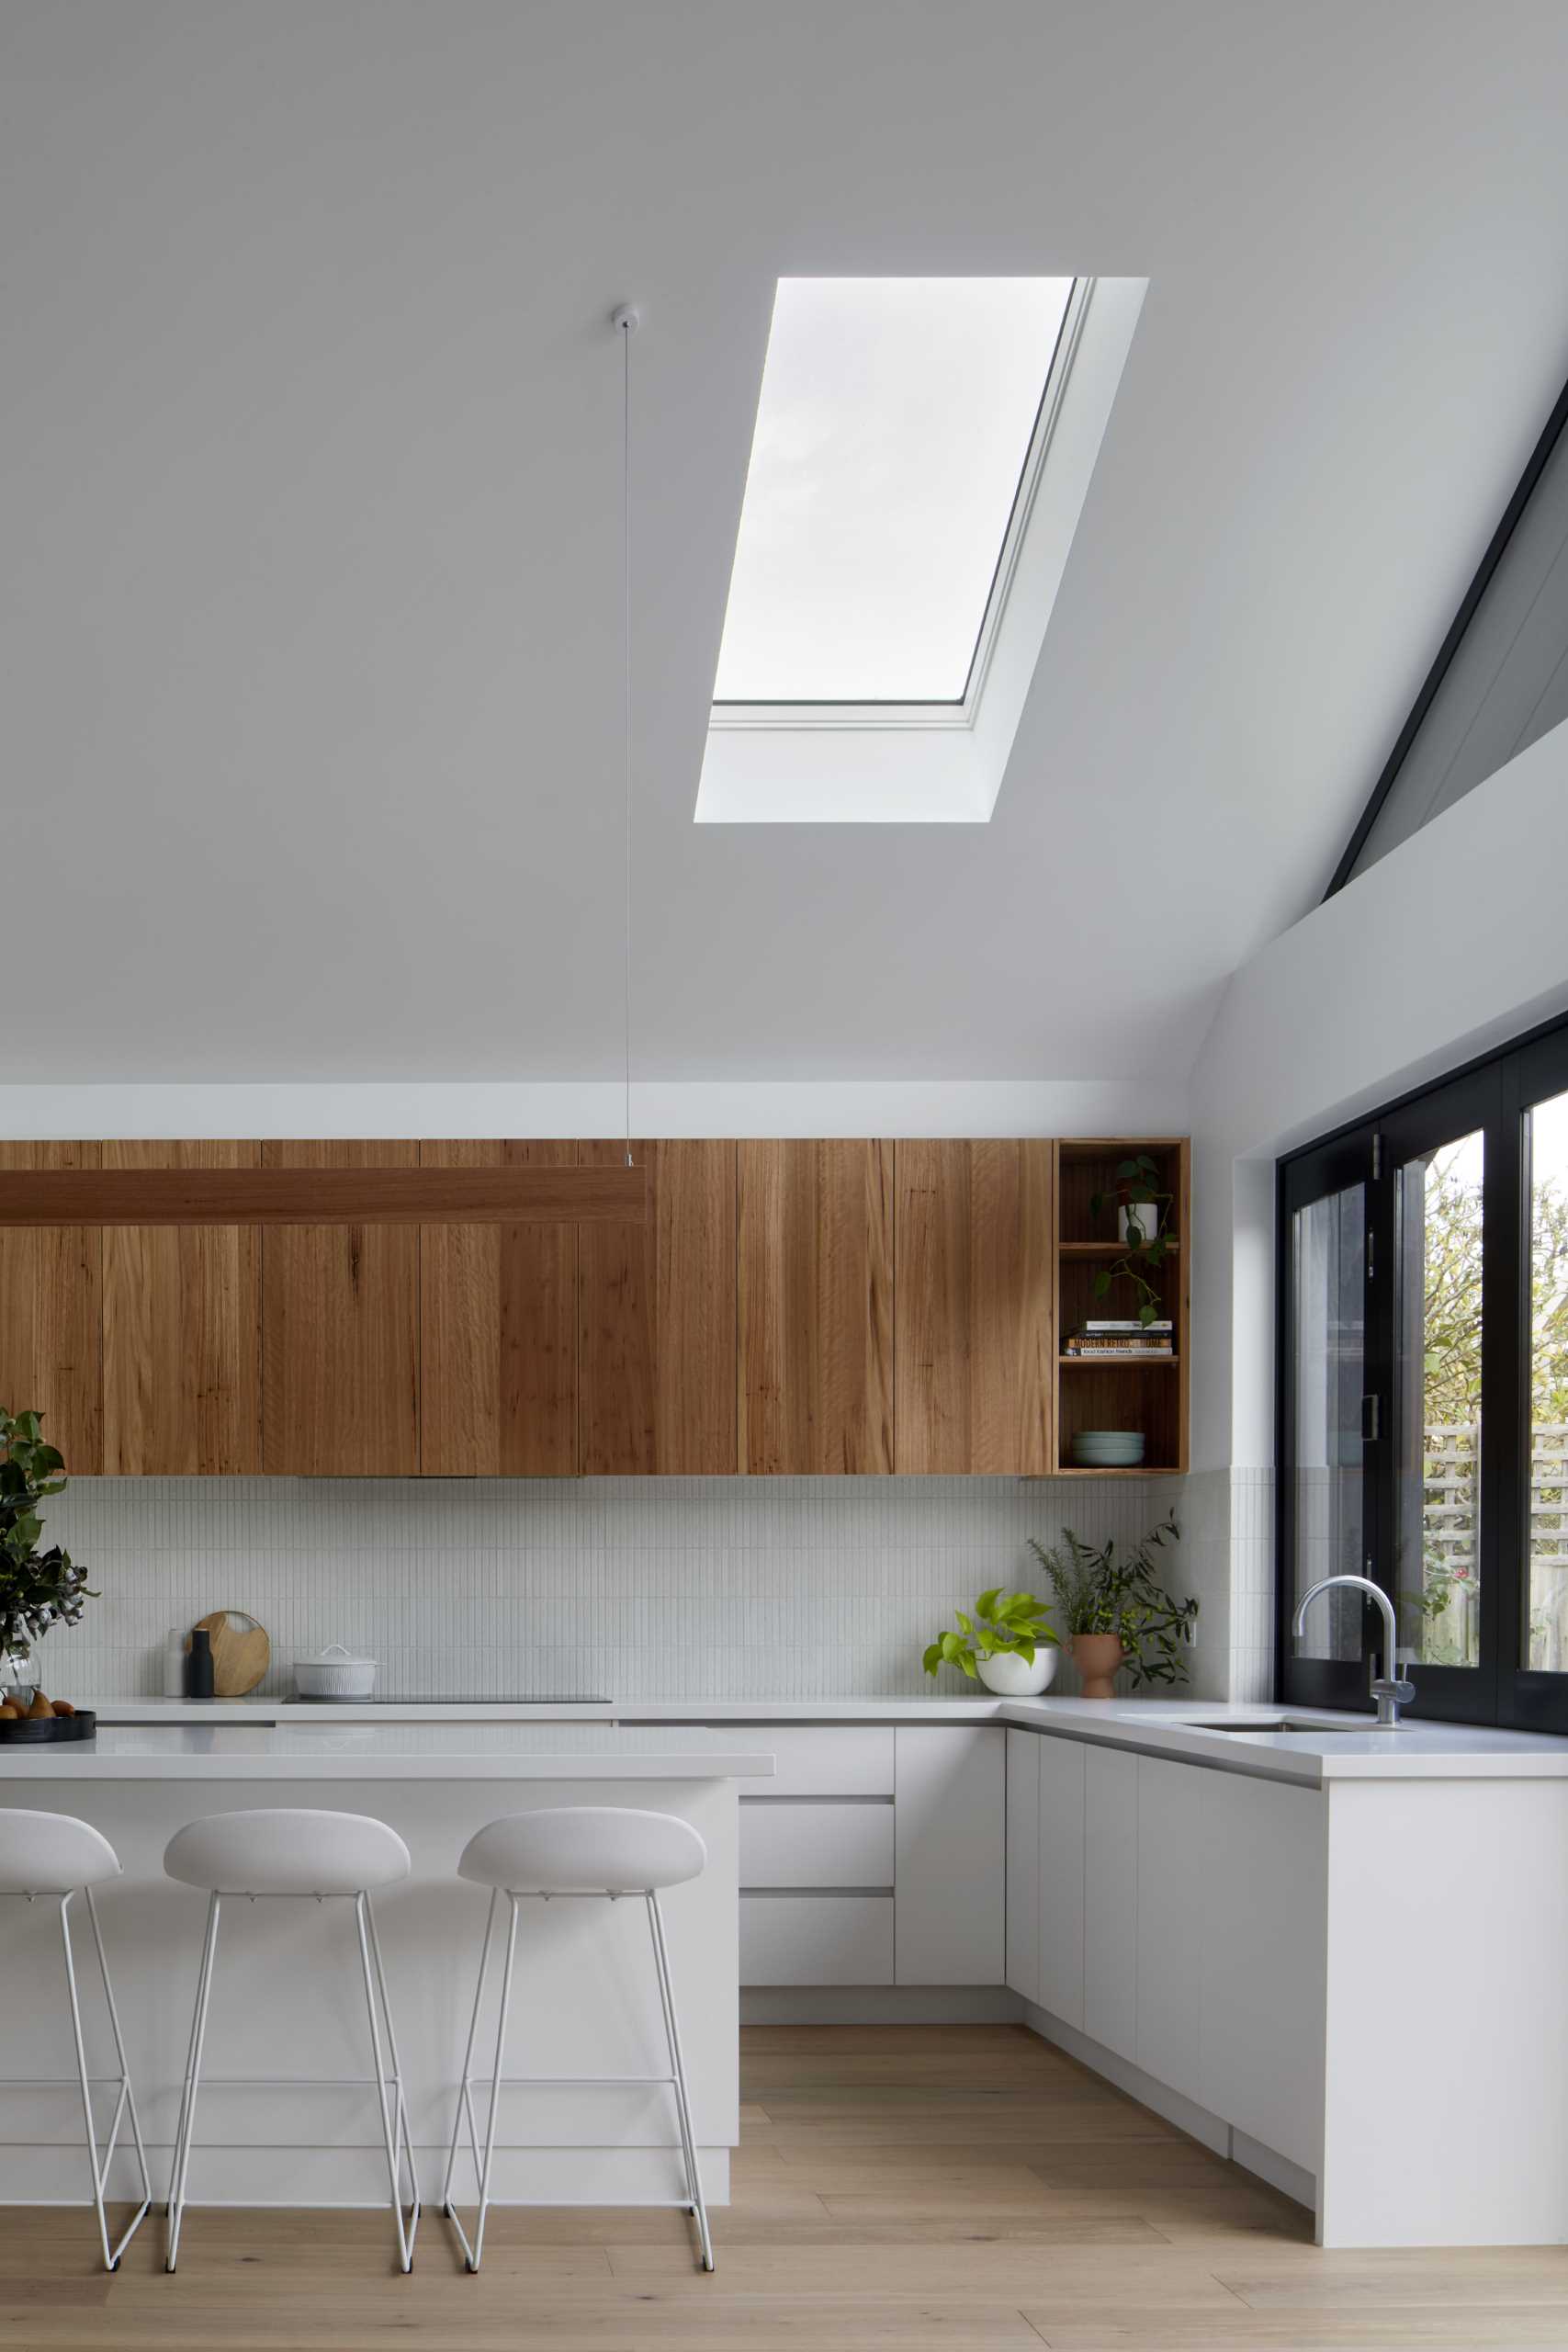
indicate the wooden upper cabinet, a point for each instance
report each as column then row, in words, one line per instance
column 340, row 1318
column 974, row 1343
column 816, row 1303
column 182, row 1333
column 51, row 1310
column 656, row 1319
column 498, row 1332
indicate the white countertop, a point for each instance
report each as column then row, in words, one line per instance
column 333, row 1749
column 1176, row 1727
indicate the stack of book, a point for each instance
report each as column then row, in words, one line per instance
column 1140, row 1342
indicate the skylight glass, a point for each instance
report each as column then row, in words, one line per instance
column 896, row 418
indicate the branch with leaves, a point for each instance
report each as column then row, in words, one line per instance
column 1099, row 1590
column 37, row 1588
column 1136, row 1186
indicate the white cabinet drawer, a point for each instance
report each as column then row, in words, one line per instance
column 817, row 1939
column 815, row 1845
column 824, row 1759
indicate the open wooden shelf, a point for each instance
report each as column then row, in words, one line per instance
column 1112, row 1391
column 1137, row 1364
column 1101, row 1249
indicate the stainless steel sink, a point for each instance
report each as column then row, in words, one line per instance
column 1280, row 1723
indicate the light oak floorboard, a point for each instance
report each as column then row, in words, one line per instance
column 962, row 2187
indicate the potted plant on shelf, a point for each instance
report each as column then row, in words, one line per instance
column 1007, row 1644
column 1117, row 1611
column 37, row 1588
column 1142, row 1210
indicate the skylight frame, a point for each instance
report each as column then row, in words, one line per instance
column 919, row 763
column 867, row 712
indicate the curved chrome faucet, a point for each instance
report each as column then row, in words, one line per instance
column 1390, row 1692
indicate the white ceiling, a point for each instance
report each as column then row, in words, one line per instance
column 308, row 509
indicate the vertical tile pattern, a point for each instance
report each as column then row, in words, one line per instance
column 636, row 1588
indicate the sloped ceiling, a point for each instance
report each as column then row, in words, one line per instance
column 311, row 555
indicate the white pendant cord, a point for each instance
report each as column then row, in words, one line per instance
column 625, row 319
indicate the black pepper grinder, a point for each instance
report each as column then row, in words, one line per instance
column 199, row 1665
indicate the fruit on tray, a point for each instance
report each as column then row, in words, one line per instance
column 40, row 1710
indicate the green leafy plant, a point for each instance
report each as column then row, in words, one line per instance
column 37, row 1588
column 1003, row 1621
column 1136, row 1186
column 1100, row 1591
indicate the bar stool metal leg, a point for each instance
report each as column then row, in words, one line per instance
column 187, row 2124
column 465, row 2095
column 394, row 2112
column 677, row 2061
column 473, row 2253
column 125, row 2102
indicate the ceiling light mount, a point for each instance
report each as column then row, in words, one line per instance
column 627, row 317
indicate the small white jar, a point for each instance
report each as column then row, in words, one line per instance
column 1012, row 1677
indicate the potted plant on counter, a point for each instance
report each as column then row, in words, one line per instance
column 1007, row 1644
column 37, row 1588
column 1116, row 1611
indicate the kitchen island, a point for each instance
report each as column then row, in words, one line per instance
column 286, row 1999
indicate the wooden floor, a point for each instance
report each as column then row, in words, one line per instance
column 951, row 2187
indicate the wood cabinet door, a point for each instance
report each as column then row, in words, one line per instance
column 816, row 1307
column 340, row 1311
column 656, row 1319
column 972, row 1307
column 182, row 1333
column 51, row 1334
column 498, row 1332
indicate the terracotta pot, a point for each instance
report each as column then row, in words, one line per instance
column 1096, row 1657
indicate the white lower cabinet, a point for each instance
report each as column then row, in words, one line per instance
column 950, row 1878
column 877, row 1856
column 841, row 1842
column 1181, row 1924
column 1262, row 2037
column 1111, row 1899
column 1061, row 1877
column 1172, row 1924
column 817, row 1939
column 1023, row 1750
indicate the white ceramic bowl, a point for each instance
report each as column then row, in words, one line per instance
column 1012, row 1677
column 332, row 1673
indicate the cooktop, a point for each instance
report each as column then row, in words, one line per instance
column 459, row 1699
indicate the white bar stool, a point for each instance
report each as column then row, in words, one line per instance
column 55, row 1854
column 313, row 1856
column 602, row 1851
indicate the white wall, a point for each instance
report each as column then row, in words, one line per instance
column 590, row 1107
column 1454, row 943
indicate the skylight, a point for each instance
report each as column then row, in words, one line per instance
column 891, row 448
column 921, row 455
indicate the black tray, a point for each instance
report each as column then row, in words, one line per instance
column 55, row 1732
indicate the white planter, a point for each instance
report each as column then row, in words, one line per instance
column 1140, row 1222
column 1012, row 1677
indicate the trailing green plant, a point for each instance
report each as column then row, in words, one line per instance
column 1100, row 1591
column 37, row 1588
column 1007, row 1621
column 1136, row 1185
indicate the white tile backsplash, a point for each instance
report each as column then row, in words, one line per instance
column 636, row 1588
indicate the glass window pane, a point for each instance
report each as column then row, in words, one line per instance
column 895, row 419
column 1547, row 1635
column 1328, row 1244
column 1436, row 1403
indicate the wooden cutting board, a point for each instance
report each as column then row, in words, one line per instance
column 240, row 1651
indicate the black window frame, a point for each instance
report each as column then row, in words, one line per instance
column 1494, row 1094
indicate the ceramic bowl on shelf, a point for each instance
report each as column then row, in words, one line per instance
column 333, row 1673
column 1108, row 1449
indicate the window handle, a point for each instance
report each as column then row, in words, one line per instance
column 1371, row 1419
